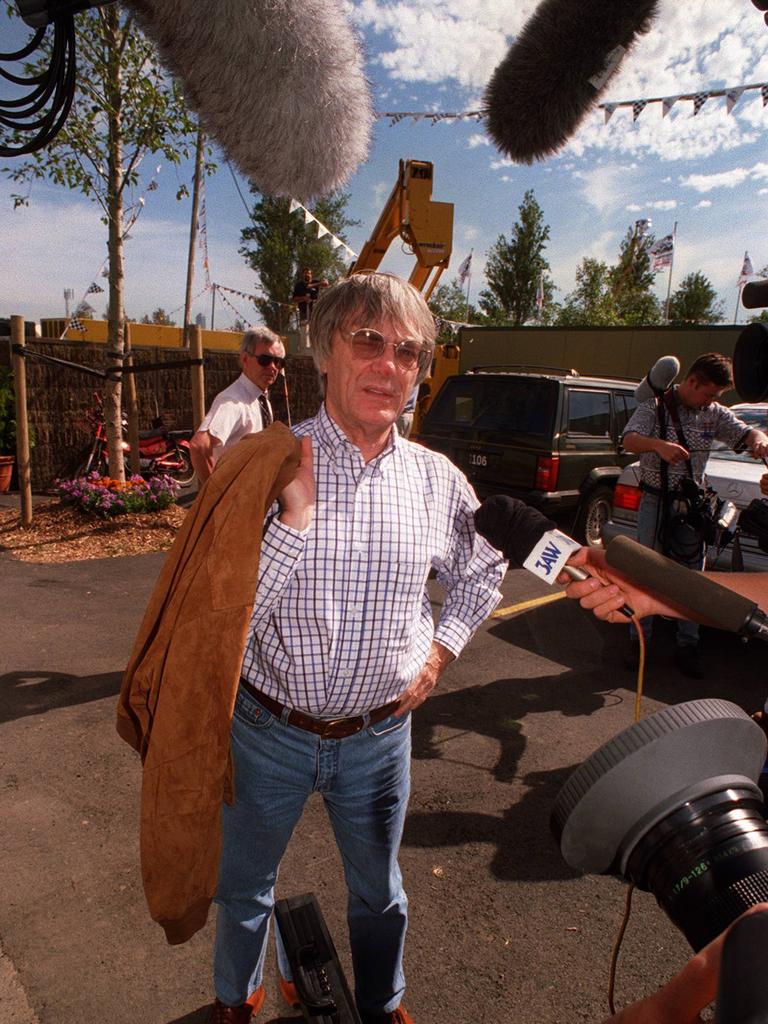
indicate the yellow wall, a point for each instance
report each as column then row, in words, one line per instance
column 142, row 335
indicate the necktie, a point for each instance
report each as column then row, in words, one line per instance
column 266, row 412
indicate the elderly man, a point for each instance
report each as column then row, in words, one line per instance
column 343, row 646
column 242, row 408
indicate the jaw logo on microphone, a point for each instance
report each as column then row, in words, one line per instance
column 550, row 555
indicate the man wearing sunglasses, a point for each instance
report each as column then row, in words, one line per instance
column 343, row 647
column 242, row 408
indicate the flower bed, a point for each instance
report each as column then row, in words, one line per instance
column 105, row 497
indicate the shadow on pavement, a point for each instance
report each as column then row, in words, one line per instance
column 34, row 693
column 202, row 1016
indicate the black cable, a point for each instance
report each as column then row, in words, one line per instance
column 53, row 87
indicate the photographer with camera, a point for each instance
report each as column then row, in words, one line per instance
column 673, row 434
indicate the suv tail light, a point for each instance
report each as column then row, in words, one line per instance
column 626, row 496
column 547, row 469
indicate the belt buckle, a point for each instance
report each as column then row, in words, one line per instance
column 330, row 723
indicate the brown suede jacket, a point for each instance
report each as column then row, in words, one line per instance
column 179, row 689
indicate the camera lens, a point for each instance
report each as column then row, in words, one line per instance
column 671, row 805
column 706, row 863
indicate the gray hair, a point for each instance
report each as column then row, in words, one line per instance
column 256, row 335
column 367, row 298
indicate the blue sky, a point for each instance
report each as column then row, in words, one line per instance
column 709, row 173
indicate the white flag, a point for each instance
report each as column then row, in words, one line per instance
column 294, row 205
column 464, row 268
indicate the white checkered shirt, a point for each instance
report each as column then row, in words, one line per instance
column 342, row 621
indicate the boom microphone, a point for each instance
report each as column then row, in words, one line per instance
column 658, row 378
column 557, row 68
column 529, row 540
column 280, row 85
column 754, row 295
column 691, row 590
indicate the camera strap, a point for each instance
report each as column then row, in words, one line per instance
column 671, row 403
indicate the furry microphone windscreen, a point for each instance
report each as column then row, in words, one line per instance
column 278, row 84
column 556, row 70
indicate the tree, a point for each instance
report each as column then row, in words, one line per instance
column 125, row 106
column 277, row 244
column 695, row 302
column 632, row 280
column 515, row 268
column 159, row 316
column 591, row 303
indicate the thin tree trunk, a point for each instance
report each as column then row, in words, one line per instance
column 113, row 388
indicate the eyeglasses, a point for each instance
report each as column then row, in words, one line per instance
column 264, row 360
column 369, row 344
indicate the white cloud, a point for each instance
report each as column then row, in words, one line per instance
column 663, row 204
column 604, row 187
column 633, row 208
column 725, row 179
column 478, row 139
column 704, row 204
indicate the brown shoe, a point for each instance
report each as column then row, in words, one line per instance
column 289, row 993
column 398, row 1016
column 242, row 1014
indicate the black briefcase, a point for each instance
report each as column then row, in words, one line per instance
column 317, row 974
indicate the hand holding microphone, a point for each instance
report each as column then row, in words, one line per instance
column 531, row 541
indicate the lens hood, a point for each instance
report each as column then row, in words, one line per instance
column 635, row 780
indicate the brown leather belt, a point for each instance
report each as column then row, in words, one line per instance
column 326, row 728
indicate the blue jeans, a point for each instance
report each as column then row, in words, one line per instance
column 648, row 524
column 365, row 783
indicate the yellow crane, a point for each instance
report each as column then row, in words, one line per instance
column 426, row 226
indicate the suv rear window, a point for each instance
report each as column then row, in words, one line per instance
column 517, row 405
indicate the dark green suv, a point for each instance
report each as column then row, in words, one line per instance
column 549, row 437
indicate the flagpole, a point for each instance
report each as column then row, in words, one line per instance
column 738, row 300
column 669, row 282
column 469, row 282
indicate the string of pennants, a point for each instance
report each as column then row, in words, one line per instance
column 732, row 94
column 322, row 230
column 451, row 325
column 395, row 116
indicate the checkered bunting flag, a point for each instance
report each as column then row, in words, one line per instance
column 764, row 94
column 698, row 101
column 75, row 324
column 637, row 108
column 94, row 288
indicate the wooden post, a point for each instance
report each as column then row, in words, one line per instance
column 132, row 411
column 22, row 425
column 199, row 151
column 198, row 376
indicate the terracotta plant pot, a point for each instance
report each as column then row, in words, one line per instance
column 6, row 472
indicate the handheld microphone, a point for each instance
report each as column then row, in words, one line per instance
column 699, row 594
column 658, row 378
column 742, row 991
column 529, row 540
column 556, row 69
column 754, row 295
column 280, row 86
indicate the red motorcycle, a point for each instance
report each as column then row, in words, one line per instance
column 161, row 451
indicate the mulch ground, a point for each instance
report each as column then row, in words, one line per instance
column 60, row 533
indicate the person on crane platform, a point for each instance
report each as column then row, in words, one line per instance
column 305, row 295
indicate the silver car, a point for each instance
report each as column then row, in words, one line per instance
column 735, row 477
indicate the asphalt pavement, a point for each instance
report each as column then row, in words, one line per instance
column 501, row 929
